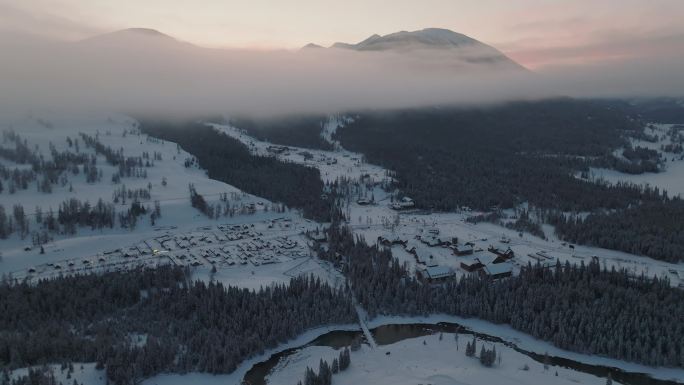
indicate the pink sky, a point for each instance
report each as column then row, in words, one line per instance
column 536, row 33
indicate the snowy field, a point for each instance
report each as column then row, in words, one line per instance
column 531, row 344
column 440, row 362
column 117, row 132
column 83, row 373
column 428, row 360
column 670, row 179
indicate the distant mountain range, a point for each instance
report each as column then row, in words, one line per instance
column 435, row 45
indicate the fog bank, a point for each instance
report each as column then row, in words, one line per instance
column 159, row 74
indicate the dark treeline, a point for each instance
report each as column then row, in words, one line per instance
column 326, row 371
column 654, row 229
column 487, row 356
column 660, row 110
column 15, row 179
column 582, row 308
column 188, row 326
column 520, row 152
column 300, row 131
column 228, row 160
column 72, row 214
column 197, row 201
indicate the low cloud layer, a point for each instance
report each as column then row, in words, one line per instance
column 154, row 73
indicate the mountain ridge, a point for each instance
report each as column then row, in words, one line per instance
column 433, row 40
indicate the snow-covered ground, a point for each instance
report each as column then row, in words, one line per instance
column 330, row 128
column 428, row 360
column 117, row 132
column 531, row 344
column 333, row 165
column 103, row 250
column 83, row 373
column 670, row 179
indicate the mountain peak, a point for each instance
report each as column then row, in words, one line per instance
column 467, row 49
column 131, row 33
column 144, row 31
column 425, row 38
column 311, row 46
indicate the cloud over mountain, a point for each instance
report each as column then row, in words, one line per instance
column 142, row 69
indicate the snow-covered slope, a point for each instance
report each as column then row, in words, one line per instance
column 166, row 180
column 428, row 360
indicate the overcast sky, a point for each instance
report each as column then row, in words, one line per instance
column 536, row 33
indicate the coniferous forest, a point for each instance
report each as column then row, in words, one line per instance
column 583, row 308
column 185, row 325
column 653, row 229
column 498, row 156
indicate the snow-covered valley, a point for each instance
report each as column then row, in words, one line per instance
column 253, row 244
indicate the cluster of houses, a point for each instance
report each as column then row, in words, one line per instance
column 256, row 251
column 237, row 244
column 494, row 262
column 224, row 245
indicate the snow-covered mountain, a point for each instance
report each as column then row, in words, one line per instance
column 436, row 41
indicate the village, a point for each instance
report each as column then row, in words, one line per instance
column 438, row 247
column 217, row 247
